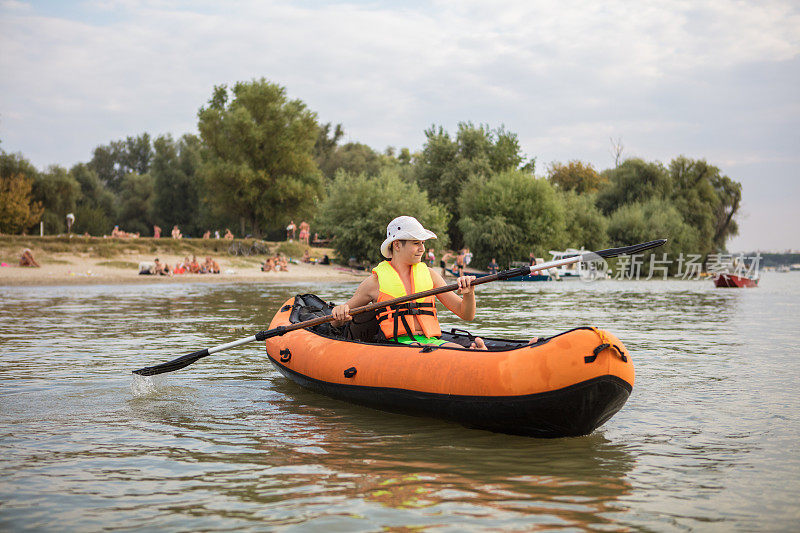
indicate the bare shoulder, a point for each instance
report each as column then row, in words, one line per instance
column 371, row 281
column 369, row 286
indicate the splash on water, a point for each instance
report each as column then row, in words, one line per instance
column 145, row 385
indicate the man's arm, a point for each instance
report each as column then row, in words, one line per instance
column 464, row 307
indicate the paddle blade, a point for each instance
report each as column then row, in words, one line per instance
column 170, row 366
column 629, row 250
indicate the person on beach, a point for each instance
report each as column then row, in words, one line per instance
column 403, row 273
column 207, row 234
column 210, row 266
column 161, row 269
column 194, row 266
column 282, row 263
column 306, row 256
column 305, row 232
column 26, row 259
column 291, row 229
column 228, row 234
column 176, row 233
column 156, row 232
column 493, row 267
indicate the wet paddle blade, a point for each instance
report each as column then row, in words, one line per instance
column 170, row 366
column 629, row 250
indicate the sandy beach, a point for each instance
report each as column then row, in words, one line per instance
column 71, row 268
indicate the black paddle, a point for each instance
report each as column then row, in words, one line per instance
column 188, row 359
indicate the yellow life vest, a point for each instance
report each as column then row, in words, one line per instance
column 392, row 319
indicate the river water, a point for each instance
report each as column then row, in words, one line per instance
column 707, row 441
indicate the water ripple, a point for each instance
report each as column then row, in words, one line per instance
column 708, row 438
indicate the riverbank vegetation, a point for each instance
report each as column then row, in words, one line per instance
column 262, row 159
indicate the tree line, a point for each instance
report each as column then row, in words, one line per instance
column 261, row 159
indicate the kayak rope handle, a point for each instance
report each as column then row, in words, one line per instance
column 604, row 345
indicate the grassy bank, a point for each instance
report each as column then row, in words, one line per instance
column 48, row 248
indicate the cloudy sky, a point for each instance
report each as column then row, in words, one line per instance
column 707, row 79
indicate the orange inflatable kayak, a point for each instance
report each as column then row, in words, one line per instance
column 565, row 385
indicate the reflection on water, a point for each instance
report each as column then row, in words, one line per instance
column 709, row 436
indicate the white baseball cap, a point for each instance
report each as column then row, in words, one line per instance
column 404, row 228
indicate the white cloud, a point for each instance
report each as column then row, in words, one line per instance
column 713, row 78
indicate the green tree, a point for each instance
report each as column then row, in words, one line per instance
column 585, row 224
column 18, row 212
column 58, row 192
column 446, row 164
column 259, row 164
column 707, row 200
column 325, row 146
column 96, row 205
column 402, row 161
column 509, row 215
column 575, row 176
column 354, row 158
column 175, row 171
column 18, row 208
column 729, row 193
column 358, row 208
column 652, row 219
column 404, row 157
column 13, row 164
column 116, row 160
column 136, row 198
column 138, row 153
column 635, row 180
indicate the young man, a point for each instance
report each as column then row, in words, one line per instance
column 405, row 273
column 461, row 261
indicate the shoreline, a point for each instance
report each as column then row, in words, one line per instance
column 122, row 269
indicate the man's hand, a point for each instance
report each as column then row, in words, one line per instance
column 465, row 285
column 341, row 313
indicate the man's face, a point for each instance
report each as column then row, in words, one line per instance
column 410, row 251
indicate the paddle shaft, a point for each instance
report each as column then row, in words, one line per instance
column 506, row 274
column 186, row 360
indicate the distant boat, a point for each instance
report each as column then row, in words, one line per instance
column 567, row 272
column 731, row 281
